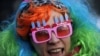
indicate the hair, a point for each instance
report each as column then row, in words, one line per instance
column 85, row 34
column 33, row 14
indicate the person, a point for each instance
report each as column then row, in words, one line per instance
column 50, row 28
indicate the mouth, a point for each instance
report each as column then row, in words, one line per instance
column 56, row 52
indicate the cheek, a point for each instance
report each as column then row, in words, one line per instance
column 67, row 44
column 40, row 48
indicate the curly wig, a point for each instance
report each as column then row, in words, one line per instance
column 14, row 39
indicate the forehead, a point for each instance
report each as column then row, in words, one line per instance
column 51, row 20
column 52, row 16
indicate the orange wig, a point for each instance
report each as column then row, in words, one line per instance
column 33, row 14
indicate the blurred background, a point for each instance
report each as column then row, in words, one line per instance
column 9, row 7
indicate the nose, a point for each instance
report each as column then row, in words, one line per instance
column 53, row 39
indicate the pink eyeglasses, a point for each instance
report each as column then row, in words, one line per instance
column 43, row 34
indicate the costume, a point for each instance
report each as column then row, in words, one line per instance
column 85, row 34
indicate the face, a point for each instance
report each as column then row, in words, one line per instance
column 55, row 46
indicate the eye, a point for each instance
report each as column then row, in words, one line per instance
column 63, row 30
column 42, row 35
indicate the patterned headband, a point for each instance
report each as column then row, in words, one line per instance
column 56, row 3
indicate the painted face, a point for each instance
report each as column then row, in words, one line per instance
column 55, row 46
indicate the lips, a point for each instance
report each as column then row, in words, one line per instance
column 56, row 52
